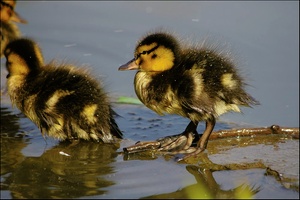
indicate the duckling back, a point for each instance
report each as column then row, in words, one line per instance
column 65, row 101
column 216, row 82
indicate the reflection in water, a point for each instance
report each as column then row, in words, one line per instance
column 10, row 137
column 11, row 155
column 9, row 123
column 56, row 175
column 206, row 186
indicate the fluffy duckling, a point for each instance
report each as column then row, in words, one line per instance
column 195, row 82
column 64, row 101
column 8, row 30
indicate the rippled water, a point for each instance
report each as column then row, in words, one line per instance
column 263, row 35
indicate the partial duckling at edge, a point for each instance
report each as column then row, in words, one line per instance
column 198, row 83
column 8, row 29
column 63, row 100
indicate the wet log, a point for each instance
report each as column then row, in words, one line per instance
column 244, row 132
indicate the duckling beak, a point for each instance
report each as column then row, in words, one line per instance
column 131, row 65
column 17, row 18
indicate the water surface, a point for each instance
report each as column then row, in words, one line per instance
column 262, row 36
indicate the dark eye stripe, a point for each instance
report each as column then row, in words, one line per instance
column 146, row 52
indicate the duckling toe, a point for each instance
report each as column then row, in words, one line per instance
column 142, row 146
column 174, row 144
column 179, row 142
column 192, row 151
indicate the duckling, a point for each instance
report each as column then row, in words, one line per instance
column 63, row 100
column 8, row 30
column 198, row 83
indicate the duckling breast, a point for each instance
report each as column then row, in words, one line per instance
column 168, row 93
column 14, row 87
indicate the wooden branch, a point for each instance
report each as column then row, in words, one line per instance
column 274, row 129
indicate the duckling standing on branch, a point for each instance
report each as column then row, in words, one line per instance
column 198, row 83
column 8, row 30
column 64, row 101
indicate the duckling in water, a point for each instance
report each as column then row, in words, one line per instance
column 8, row 30
column 195, row 82
column 64, row 101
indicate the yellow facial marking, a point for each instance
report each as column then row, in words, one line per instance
column 227, row 81
column 16, row 65
column 158, row 60
column 89, row 112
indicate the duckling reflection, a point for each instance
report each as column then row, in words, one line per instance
column 55, row 175
column 207, row 187
column 9, row 123
column 8, row 30
column 197, row 83
column 11, row 154
column 64, row 101
column 10, row 136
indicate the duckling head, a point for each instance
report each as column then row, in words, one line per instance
column 7, row 12
column 22, row 57
column 157, row 52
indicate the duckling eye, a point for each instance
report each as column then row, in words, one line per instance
column 2, row 3
column 144, row 52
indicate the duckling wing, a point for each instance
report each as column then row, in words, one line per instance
column 198, row 110
column 48, row 119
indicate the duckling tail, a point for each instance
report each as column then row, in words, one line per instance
column 114, row 126
column 249, row 101
column 115, row 129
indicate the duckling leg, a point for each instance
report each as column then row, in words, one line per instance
column 210, row 124
column 202, row 143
